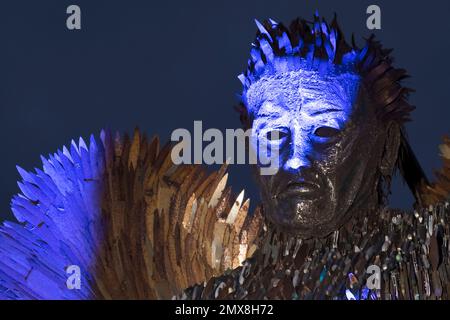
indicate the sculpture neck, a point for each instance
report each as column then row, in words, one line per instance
column 277, row 245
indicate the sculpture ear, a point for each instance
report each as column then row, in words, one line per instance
column 391, row 149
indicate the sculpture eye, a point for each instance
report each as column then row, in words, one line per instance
column 276, row 135
column 326, row 132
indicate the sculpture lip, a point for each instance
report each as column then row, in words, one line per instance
column 301, row 189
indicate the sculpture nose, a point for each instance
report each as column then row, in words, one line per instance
column 299, row 150
column 296, row 163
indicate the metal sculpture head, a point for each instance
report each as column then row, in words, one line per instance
column 333, row 112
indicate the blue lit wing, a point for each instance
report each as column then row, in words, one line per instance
column 58, row 212
column 135, row 224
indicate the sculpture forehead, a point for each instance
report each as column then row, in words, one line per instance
column 294, row 89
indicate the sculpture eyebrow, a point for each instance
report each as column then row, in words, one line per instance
column 327, row 110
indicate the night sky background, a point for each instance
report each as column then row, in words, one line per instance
column 160, row 65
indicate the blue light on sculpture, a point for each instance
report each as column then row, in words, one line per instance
column 297, row 95
column 279, row 54
column 365, row 294
column 302, row 89
column 304, row 107
column 59, row 212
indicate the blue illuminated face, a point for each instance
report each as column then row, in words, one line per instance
column 306, row 110
column 324, row 149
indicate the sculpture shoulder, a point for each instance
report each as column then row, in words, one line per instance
column 135, row 224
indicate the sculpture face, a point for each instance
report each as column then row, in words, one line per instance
column 328, row 145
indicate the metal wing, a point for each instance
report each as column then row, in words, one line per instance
column 135, row 224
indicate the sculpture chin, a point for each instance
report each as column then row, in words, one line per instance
column 302, row 214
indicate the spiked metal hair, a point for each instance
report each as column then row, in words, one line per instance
column 319, row 46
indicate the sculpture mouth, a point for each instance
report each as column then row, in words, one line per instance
column 305, row 189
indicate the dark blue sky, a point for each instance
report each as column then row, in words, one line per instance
column 162, row 65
